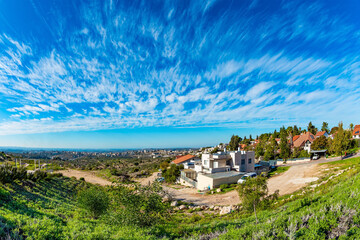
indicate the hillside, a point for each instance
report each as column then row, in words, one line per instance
column 48, row 209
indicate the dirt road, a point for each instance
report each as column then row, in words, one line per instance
column 298, row 176
column 295, row 178
column 88, row 176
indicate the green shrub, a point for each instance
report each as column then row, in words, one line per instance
column 140, row 205
column 94, row 200
column 224, row 186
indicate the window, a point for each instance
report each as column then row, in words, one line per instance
column 206, row 162
column 242, row 161
column 249, row 161
column 216, row 164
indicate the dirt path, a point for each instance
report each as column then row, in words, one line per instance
column 295, row 178
column 88, row 176
column 148, row 180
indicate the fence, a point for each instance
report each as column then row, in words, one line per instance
column 189, row 180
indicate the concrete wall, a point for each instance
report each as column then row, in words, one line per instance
column 228, row 180
column 203, row 181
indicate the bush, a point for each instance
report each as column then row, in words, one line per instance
column 140, row 205
column 94, row 200
column 10, row 173
column 224, row 186
column 172, row 173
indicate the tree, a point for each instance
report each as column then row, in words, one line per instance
column 320, row 143
column 172, row 173
column 311, row 128
column 351, row 126
column 334, row 130
column 295, row 131
column 164, row 165
column 325, row 127
column 340, row 141
column 234, row 143
column 94, row 200
column 284, row 145
column 252, row 192
column 270, row 149
column 260, row 149
column 290, row 130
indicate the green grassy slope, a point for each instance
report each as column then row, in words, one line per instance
column 47, row 210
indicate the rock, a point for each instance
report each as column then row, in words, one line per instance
column 211, row 207
column 203, row 207
column 216, row 208
column 212, row 192
column 218, row 190
column 174, row 203
column 182, row 207
column 166, row 199
column 176, row 209
column 225, row 210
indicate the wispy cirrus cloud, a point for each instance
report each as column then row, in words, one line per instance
column 184, row 64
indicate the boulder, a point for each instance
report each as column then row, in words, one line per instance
column 166, row 199
column 174, row 203
column 225, row 210
column 218, row 190
column 203, row 207
column 182, row 207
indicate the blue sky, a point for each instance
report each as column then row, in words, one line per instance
column 173, row 73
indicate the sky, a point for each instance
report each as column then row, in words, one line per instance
column 139, row 74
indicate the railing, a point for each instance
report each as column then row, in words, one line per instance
column 189, row 180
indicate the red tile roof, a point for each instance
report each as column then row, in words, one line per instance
column 318, row 134
column 308, row 136
column 295, row 137
column 356, row 130
column 183, row 159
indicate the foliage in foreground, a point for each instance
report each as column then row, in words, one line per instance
column 94, row 200
column 48, row 210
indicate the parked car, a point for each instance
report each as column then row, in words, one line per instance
column 247, row 175
column 160, row 179
column 315, row 157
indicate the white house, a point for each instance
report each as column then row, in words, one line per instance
column 356, row 132
column 219, row 168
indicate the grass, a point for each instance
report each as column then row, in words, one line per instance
column 278, row 170
column 48, row 210
column 229, row 188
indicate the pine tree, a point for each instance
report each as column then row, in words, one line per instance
column 284, row 145
column 311, row 128
column 295, row 131
column 325, row 127
column 340, row 141
column 234, row 143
